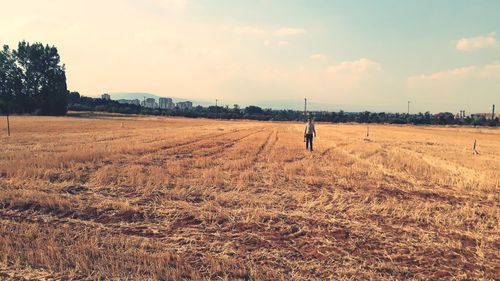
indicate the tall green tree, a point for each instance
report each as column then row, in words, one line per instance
column 44, row 78
column 10, row 82
column 33, row 80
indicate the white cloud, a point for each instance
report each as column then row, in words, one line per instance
column 280, row 43
column 490, row 70
column 348, row 74
column 479, row 42
column 343, row 82
column 289, row 31
column 456, row 72
column 317, row 56
column 267, row 32
column 466, row 87
column 478, row 72
column 360, row 66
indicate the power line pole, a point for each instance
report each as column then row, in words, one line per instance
column 216, row 109
column 8, row 124
column 493, row 113
column 408, row 108
column 305, row 108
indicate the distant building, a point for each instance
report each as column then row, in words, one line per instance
column 105, row 97
column 150, row 103
column 185, row 105
column 133, row 102
column 166, row 103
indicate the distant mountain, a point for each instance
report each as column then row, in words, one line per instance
column 131, row 96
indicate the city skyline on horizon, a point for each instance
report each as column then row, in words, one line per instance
column 297, row 105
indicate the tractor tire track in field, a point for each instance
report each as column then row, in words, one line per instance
column 123, row 159
column 261, row 147
column 274, row 142
column 113, row 138
column 227, row 145
column 198, row 139
column 268, row 144
column 82, row 223
column 211, row 143
column 112, row 220
column 196, row 148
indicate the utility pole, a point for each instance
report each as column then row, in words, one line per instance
column 8, row 124
column 216, row 109
column 408, row 108
column 493, row 113
column 305, row 108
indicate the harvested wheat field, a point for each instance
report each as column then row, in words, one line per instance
column 151, row 198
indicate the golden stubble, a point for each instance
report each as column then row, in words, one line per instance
column 196, row 199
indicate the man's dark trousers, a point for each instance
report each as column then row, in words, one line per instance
column 309, row 141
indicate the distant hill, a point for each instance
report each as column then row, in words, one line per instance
column 130, row 96
column 294, row 104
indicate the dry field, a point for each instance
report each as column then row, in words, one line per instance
column 145, row 198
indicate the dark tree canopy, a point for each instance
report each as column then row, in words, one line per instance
column 252, row 109
column 32, row 80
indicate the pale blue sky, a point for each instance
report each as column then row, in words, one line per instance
column 355, row 55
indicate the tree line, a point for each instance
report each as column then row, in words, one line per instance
column 32, row 80
column 82, row 103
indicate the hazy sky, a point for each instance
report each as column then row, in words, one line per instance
column 375, row 55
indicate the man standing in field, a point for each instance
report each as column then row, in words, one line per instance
column 308, row 133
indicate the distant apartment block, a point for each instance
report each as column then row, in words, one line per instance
column 133, row 102
column 166, row 103
column 106, row 97
column 185, row 105
column 150, row 103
